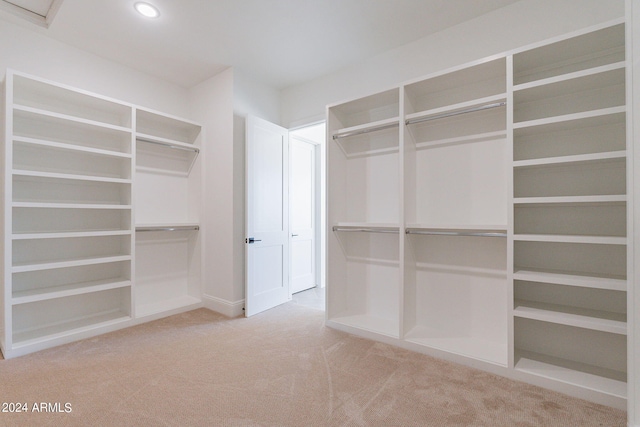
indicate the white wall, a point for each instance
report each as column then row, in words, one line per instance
column 250, row 97
column 29, row 51
column 212, row 104
column 221, row 104
column 514, row 26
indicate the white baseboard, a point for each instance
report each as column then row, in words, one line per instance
column 222, row 306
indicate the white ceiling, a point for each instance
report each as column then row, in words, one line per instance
column 280, row 42
column 39, row 7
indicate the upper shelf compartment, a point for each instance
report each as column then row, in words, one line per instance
column 467, row 85
column 53, row 98
column 165, row 143
column 461, row 106
column 584, row 52
column 598, row 89
column 367, row 125
column 368, row 110
column 163, row 128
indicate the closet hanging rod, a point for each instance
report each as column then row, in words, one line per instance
column 169, row 228
column 471, row 233
column 170, row 145
column 455, row 113
column 365, row 230
column 367, row 130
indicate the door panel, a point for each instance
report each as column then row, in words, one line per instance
column 302, row 215
column 267, row 216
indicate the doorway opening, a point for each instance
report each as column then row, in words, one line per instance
column 307, row 153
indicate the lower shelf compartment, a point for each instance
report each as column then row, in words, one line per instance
column 70, row 327
column 587, row 376
column 68, row 290
column 468, row 346
column 40, row 321
column 586, row 358
column 370, row 323
column 166, row 306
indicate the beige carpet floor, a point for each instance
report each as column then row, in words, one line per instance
column 279, row 368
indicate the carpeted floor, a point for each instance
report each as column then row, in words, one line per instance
column 279, row 368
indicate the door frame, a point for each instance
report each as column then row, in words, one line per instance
column 320, row 197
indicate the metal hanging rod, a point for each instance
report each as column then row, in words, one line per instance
column 170, row 145
column 472, row 233
column 455, row 113
column 365, row 230
column 169, row 228
column 367, row 130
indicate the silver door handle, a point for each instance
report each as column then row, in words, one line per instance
column 251, row 240
column 294, row 235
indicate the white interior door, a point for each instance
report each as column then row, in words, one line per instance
column 267, row 216
column 303, row 241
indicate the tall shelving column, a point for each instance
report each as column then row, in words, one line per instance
column 570, row 213
column 455, row 166
column 67, row 215
column 167, row 191
column 364, row 202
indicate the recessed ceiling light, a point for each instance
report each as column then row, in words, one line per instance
column 145, row 9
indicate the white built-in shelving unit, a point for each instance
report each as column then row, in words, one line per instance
column 167, row 195
column 481, row 214
column 70, row 189
column 365, row 190
column 570, row 210
column 455, row 204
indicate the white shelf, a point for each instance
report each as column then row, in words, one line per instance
column 57, row 130
column 604, row 45
column 72, row 263
column 467, row 107
column 586, row 93
column 569, row 117
column 570, row 76
column 366, row 128
column 70, row 118
column 68, row 328
column 170, row 143
column 600, row 240
column 582, row 158
column 457, row 228
column 570, row 200
column 369, row 323
column 165, row 225
column 43, row 294
column 51, row 96
column 530, row 363
column 69, row 205
column 68, row 234
column 476, row 137
column 473, row 347
column 609, row 283
column 456, row 232
column 572, row 316
column 36, row 174
column 168, row 227
column 71, row 147
column 163, row 127
column 376, row 226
